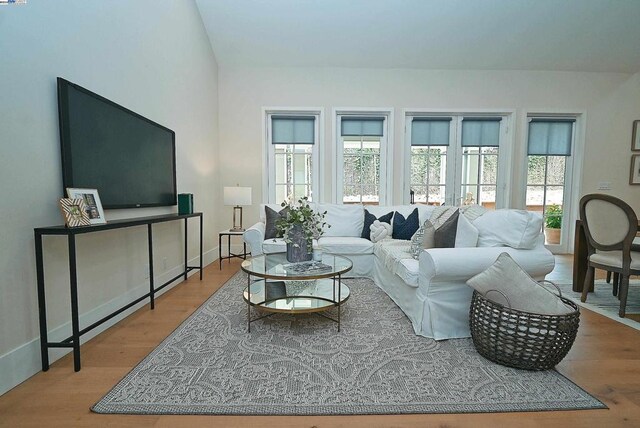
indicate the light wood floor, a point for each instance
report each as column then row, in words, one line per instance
column 605, row 361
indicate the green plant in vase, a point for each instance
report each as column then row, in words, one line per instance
column 299, row 226
column 553, row 224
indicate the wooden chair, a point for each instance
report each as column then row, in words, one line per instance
column 610, row 225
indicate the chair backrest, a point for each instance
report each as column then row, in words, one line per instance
column 609, row 222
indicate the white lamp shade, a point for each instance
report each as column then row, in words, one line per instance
column 237, row 196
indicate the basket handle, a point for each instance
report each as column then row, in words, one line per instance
column 552, row 283
column 503, row 295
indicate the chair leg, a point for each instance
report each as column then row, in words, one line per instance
column 616, row 282
column 624, row 290
column 588, row 279
column 608, row 277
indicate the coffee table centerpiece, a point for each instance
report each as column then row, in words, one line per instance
column 299, row 225
column 295, row 288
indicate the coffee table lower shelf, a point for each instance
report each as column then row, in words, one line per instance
column 295, row 297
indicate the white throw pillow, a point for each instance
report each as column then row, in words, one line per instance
column 345, row 220
column 522, row 292
column 466, row 233
column 511, row 228
column 380, row 230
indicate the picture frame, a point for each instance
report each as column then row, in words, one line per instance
column 635, row 136
column 634, row 177
column 93, row 206
column 74, row 212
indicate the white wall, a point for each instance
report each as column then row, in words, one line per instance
column 611, row 102
column 152, row 57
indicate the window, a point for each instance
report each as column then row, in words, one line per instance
column 361, row 158
column 480, row 142
column 549, row 149
column 292, row 165
column 454, row 159
column 430, row 138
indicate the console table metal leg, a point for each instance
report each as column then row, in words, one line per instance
column 220, row 250
column 75, row 323
column 186, row 240
column 42, row 306
column 201, row 262
column 152, row 297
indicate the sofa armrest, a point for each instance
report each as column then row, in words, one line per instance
column 254, row 237
column 460, row 264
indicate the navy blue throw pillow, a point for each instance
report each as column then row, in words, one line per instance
column 368, row 221
column 405, row 228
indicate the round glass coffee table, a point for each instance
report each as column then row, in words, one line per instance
column 295, row 288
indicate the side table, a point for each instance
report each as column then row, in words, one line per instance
column 229, row 234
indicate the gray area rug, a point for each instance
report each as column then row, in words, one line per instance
column 604, row 302
column 301, row 365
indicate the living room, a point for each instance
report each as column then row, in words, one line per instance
column 213, row 72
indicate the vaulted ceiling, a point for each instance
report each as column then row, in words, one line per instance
column 571, row 35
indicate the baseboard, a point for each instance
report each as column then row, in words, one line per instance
column 23, row 362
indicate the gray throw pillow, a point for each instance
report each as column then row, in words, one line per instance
column 272, row 216
column 445, row 235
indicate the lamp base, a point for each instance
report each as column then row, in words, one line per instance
column 237, row 215
column 240, row 229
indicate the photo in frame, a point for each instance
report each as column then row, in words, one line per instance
column 93, row 206
column 635, row 136
column 634, row 178
column 74, row 212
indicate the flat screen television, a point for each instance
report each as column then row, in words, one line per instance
column 130, row 159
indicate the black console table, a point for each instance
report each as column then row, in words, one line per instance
column 73, row 341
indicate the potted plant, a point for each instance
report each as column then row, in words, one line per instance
column 299, row 227
column 553, row 224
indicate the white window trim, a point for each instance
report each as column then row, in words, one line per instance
column 573, row 178
column 317, row 175
column 386, row 151
column 506, row 144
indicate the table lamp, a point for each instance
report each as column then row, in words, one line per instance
column 237, row 196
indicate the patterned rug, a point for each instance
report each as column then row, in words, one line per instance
column 301, row 365
column 602, row 301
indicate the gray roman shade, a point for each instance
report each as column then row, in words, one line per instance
column 430, row 131
column 550, row 137
column 293, row 129
column 362, row 126
column 481, row 131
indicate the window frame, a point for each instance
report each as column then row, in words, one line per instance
column 268, row 155
column 386, row 151
column 573, row 171
column 455, row 149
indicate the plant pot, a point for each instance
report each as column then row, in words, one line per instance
column 297, row 250
column 551, row 236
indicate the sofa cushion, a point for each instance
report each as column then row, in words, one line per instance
column 466, row 234
column 424, row 211
column 277, row 245
column 263, row 214
column 368, row 221
column 345, row 220
column 445, row 235
column 405, row 228
column 408, row 270
column 272, row 217
column 508, row 227
column 345, row 245
column 506, row 278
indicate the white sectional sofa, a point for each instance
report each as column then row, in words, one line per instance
column 432, row 290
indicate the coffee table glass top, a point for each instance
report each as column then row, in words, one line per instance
column 276, row 266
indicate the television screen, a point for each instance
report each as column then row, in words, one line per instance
column 128, row 158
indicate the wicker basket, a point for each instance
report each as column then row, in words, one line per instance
column 521, row 339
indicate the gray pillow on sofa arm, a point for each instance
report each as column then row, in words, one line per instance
column 506, row 277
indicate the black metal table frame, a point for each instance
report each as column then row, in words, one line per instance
column 73, row 341
column 230, row 255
